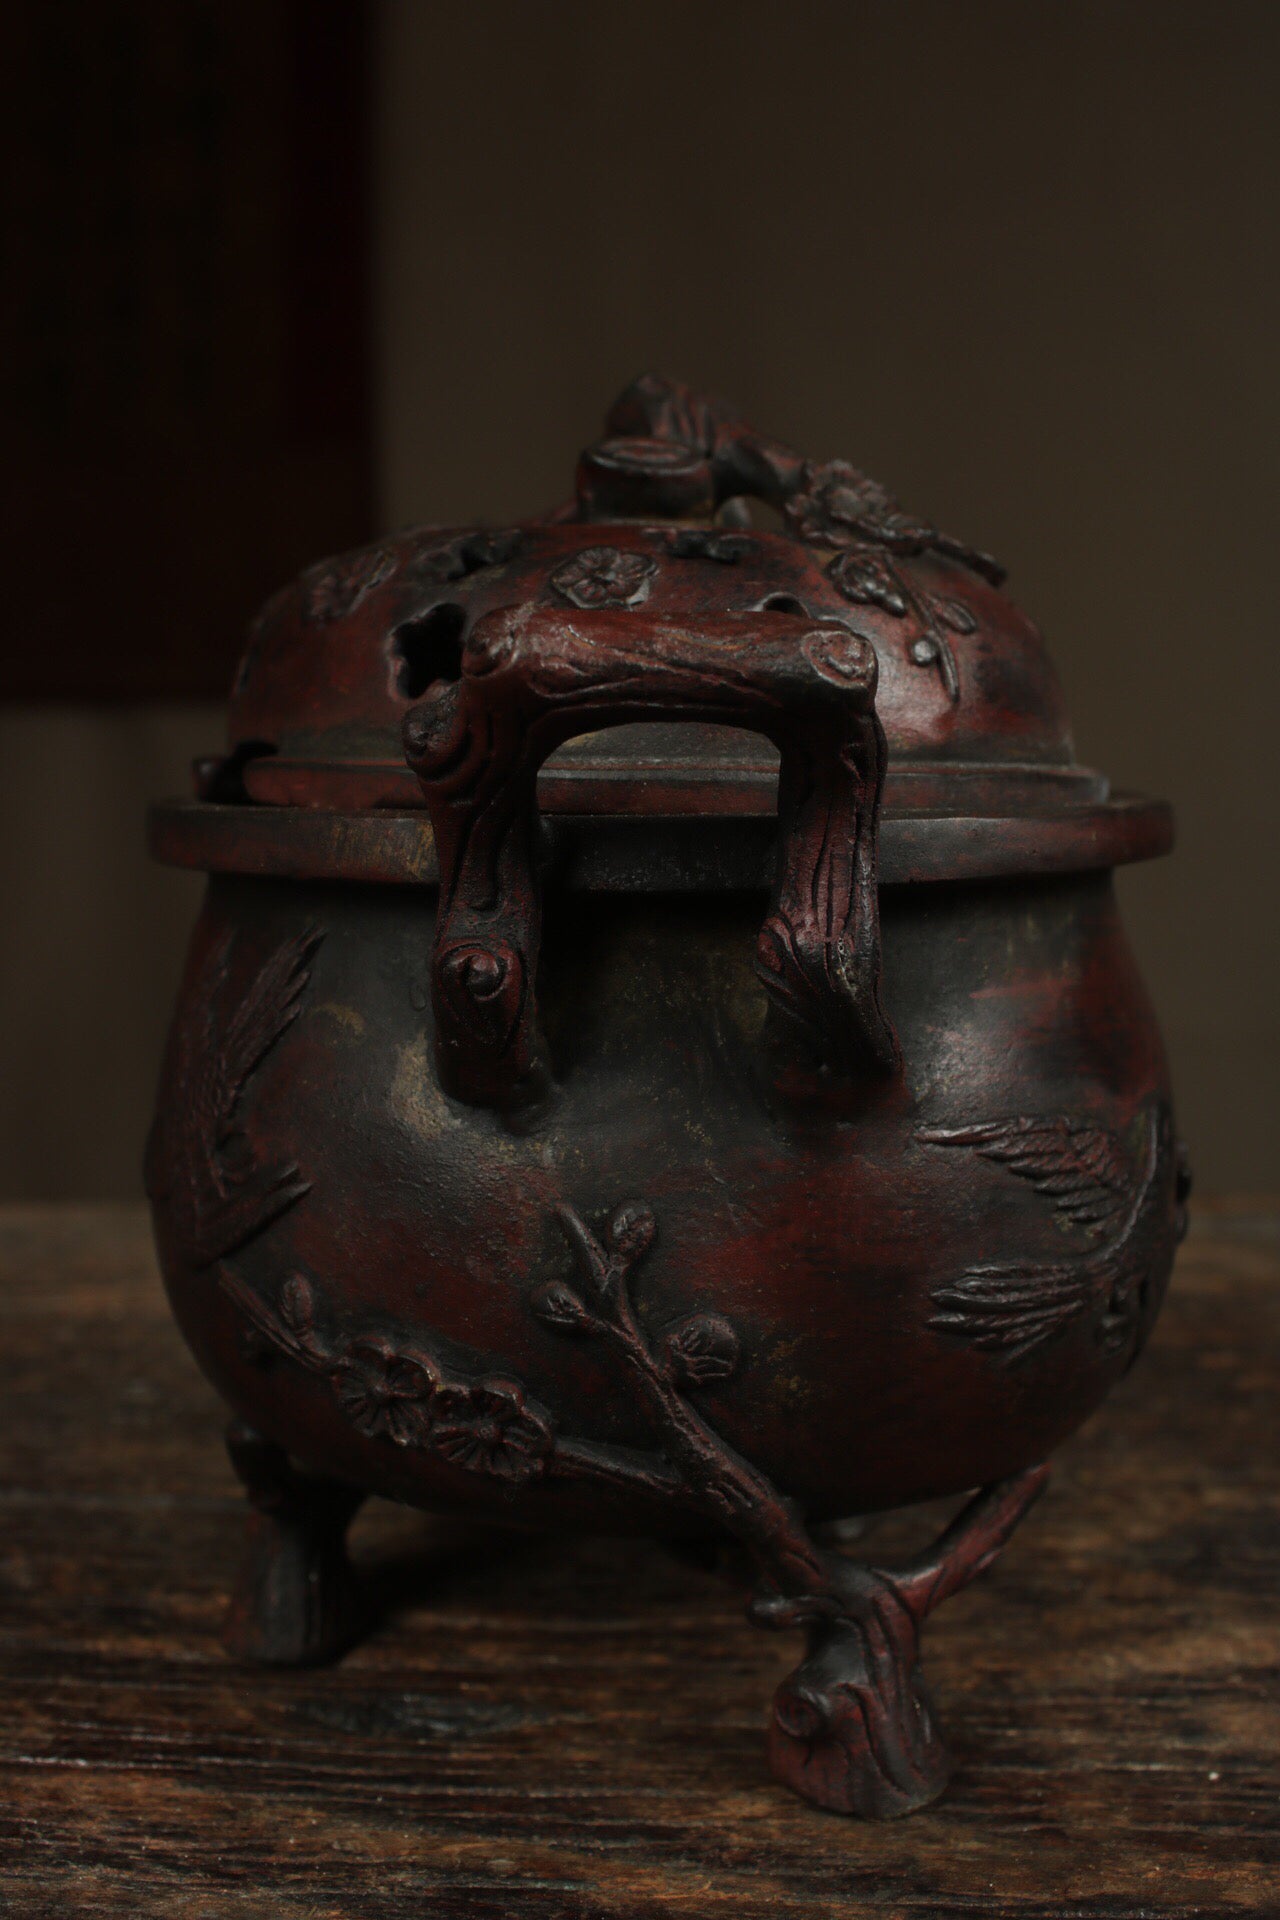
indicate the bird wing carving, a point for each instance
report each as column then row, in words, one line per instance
column 1083, row 1170
column 1014, row 1308
column 201, row 1161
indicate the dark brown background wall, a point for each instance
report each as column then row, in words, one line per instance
column 1016, row 259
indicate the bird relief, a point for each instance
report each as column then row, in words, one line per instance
column 201, row 1161
column 1111, row 1199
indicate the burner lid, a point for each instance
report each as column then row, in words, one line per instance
column 663, row 544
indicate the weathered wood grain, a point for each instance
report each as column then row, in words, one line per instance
column 546, row 1728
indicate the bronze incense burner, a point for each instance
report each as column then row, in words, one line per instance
column 660, row 1053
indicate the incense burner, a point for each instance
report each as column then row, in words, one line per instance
column 660, row 1053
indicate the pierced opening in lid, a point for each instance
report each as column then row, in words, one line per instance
column 428, row 649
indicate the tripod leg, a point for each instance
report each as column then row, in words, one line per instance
column 297, row 1602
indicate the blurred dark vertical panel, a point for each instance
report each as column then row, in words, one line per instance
column 185, row 340
column 328, row 371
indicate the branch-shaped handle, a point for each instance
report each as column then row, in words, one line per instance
column 533, row 678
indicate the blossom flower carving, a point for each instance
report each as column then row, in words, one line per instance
column 605, row 577
column 385, row 1392
column 489, row 1423
column 336, row 587
column 489, row 1426
column 837, row 506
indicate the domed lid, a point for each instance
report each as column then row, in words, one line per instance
column 662, row 534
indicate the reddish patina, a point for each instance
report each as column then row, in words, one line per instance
column 660, row 1052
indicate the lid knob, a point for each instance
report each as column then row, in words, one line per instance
column 636, row 478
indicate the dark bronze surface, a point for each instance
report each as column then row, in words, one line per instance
column 672, row 1169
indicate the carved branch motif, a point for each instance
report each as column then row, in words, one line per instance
column 869, row 578
column 836, row 505
column 1013, row 1309
column 853, row 1728
column 199, row 1161
column 827, row 503
column 672, row 451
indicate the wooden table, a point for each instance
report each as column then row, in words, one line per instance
column 574, row 1729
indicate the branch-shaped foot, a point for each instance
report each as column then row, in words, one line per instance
column 296, row 1602
column 853, row 1727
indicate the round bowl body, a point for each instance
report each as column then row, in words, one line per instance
column 910, row 1295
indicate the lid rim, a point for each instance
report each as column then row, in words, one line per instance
column 990, row 788
column 656, row 852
